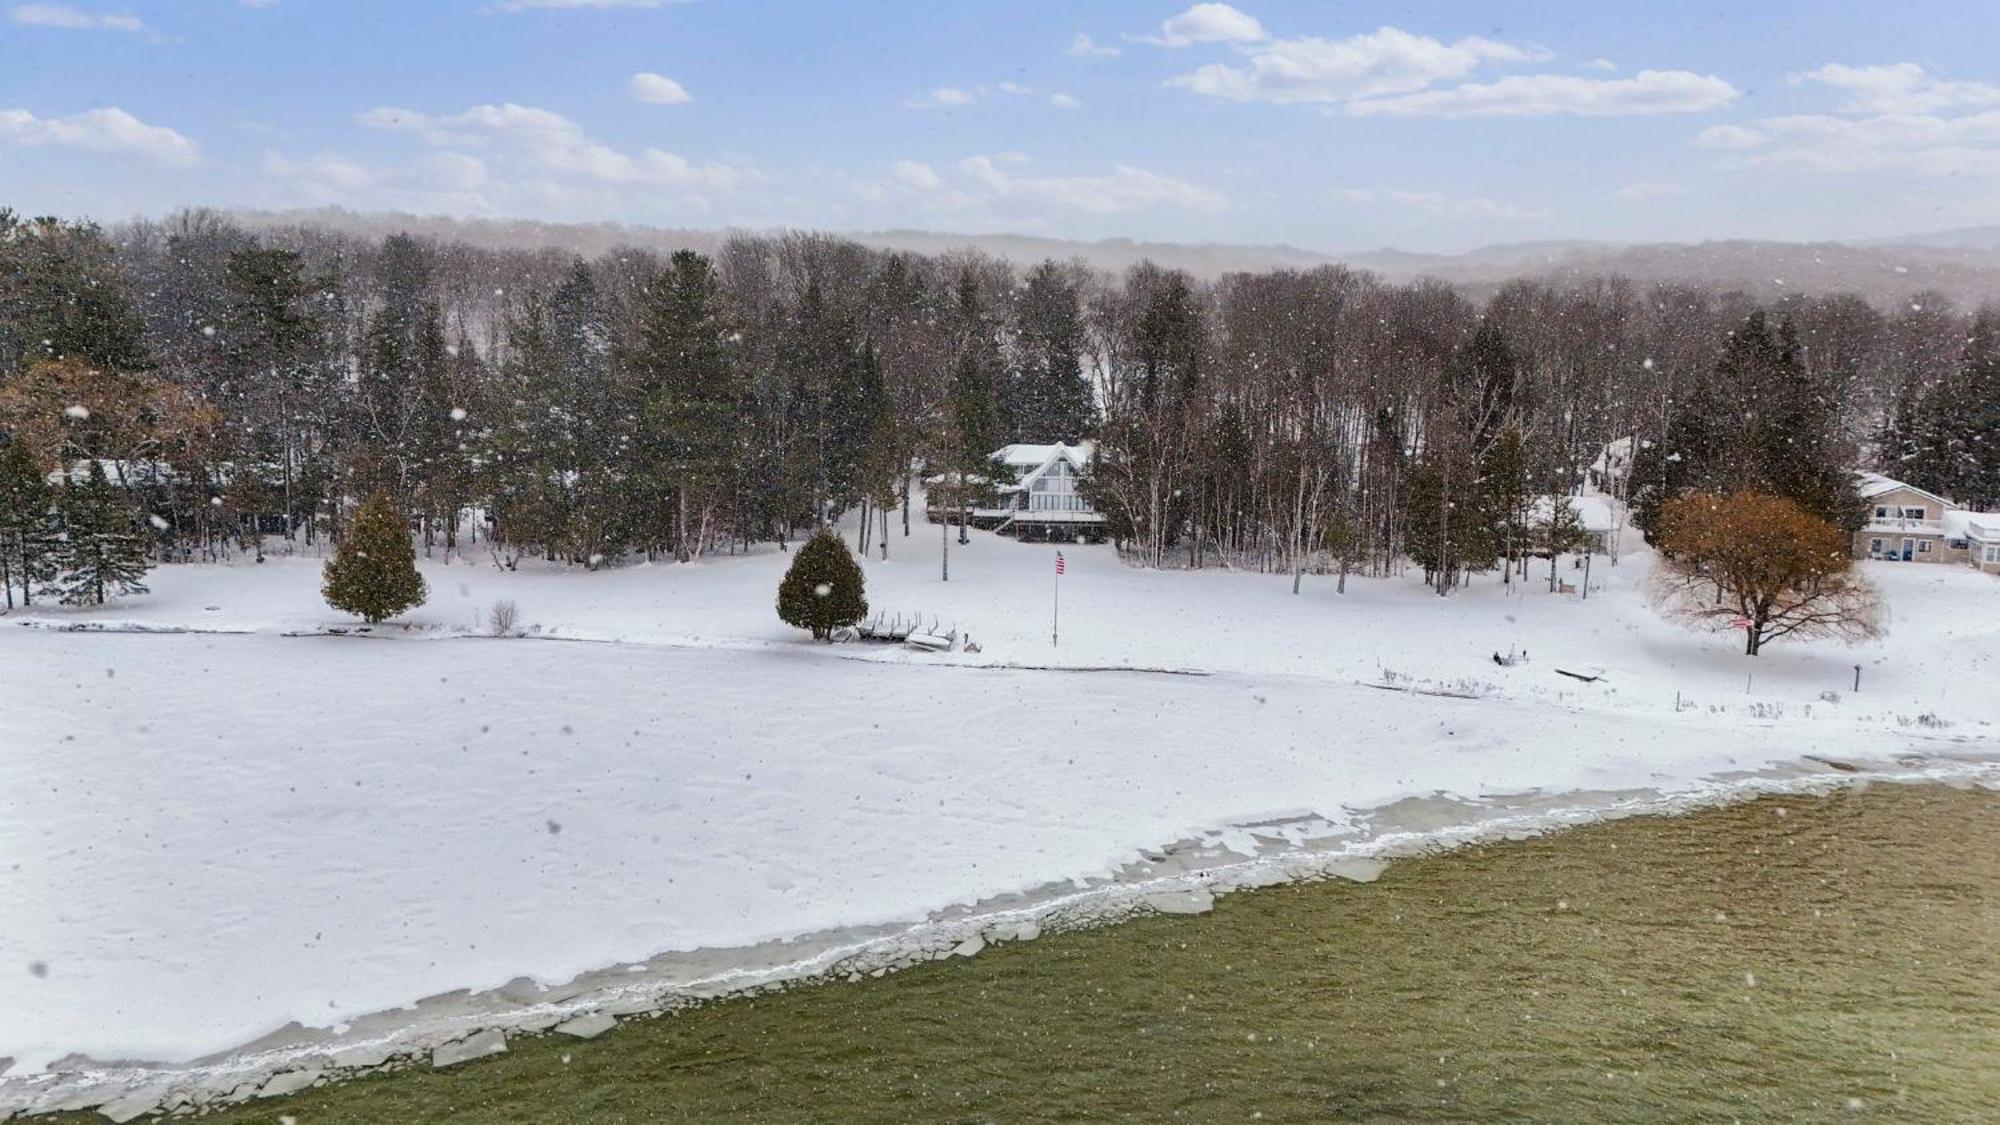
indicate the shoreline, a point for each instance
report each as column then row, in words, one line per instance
column 1180, row 878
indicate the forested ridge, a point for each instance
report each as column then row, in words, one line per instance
column 243, row 387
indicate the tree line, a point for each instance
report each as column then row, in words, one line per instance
column 234, row 388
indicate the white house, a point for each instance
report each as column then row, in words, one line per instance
column 1038, row 497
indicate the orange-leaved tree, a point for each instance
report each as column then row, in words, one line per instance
column 1761, row 564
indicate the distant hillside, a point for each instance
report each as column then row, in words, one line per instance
column 1964, row 264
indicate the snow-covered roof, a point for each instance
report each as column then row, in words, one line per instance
column 1982, row 526
column 1595, row 511
column 1872, row 485
column 135, row 472
column 1024, row 456
column 1031, row 461
column 1614, row 458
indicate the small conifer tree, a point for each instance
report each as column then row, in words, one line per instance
column 373, row 574
column 101, row 553
column 27, row 523
column 823, row 589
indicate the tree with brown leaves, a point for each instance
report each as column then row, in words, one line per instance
column 1761, row 564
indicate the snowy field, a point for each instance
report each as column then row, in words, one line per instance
column 210, row 829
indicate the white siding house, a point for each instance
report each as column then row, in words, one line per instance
column 1037, row 497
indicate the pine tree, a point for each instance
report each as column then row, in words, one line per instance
column 101, row 554
column 27, row 542
column 1053, row 400
column 692, row 429
column 1561, row 532
column 1510, row 499
column 823, row 589
column 373, row 574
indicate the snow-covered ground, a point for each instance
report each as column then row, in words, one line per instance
column 206, row 834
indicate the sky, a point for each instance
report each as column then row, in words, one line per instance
column 1330, row 126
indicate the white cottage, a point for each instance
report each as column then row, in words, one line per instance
column 1038, row 498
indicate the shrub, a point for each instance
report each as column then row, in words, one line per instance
column 374, row 573
column 823, row 589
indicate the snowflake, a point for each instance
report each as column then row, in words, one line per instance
column 76, row 413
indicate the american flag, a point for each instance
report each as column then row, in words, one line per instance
column 1059, row 562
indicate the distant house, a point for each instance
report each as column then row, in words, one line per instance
column 1037, row 497
column 1911, row 524
column 1599, row 516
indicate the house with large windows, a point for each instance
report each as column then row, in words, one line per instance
column 1036, row 495
column 1910, row 524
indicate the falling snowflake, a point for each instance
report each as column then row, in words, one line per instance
column 76, row 413
column 208, row 330
column 458, row 413
column 159, row 523
column 822, row 590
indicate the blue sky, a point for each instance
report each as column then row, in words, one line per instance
column 1334, row 126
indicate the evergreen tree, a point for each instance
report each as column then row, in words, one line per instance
column 1510, row 500
column 373, row 574
column 27, row 539
column 64, row 295
column 1758, row 423
column 101, row 554
column 1052, row 400
column 692, row 431
column 823, row 589
column 1560, row 532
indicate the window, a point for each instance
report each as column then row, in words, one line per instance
column 1923, row 546
column 1881, row 511
column 1874, row 546
column 1993, row 554
column 1913, row 513
column 1958, row 544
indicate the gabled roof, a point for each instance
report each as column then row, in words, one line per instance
column 1872, row 485
column 1031, row 461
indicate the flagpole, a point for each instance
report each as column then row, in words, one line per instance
column 1055, row 606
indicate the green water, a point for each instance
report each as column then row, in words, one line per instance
column 1804, row 958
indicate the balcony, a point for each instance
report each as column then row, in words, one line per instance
column 1897, row 524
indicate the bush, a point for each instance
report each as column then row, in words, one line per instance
column 823, row 589
column 504, row 616
column 374, row 573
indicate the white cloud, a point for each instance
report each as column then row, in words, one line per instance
column 1602, row 66
column 1081, row 46
column 258, row 3
column 110, row 131
column 1730, row 136
column 1888, row 122
column 1900, row 88
column 533, row 5
column 917, row 175
column 556, row 144
column 951, row 97
column 1063, row 101
column 657, row 89
column 57, row 15
column 1386, row 61
column 1543, row 95
column 448, row 182
column 1208, row 23
column 942, row 97
column 1441, row 205
column 1649, row 190
column 1920, row 144
column 1125, row 189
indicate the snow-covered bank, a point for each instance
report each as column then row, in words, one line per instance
column 1943, row 643
column 206, row 837
column 207, row 834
